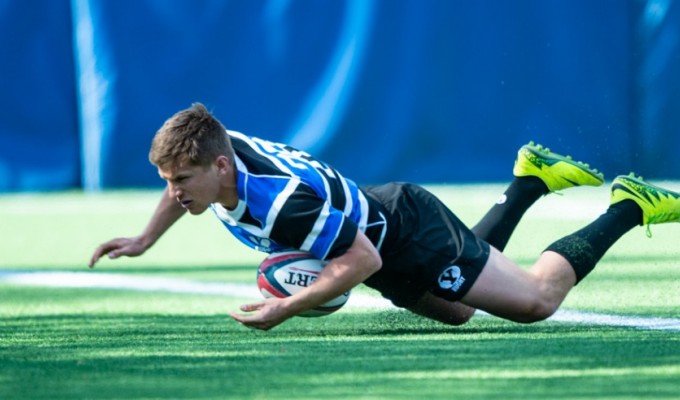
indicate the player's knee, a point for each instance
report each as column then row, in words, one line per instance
column 460, row 318
column 537, row 310
column 454, row 314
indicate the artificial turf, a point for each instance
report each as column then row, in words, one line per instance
column 104, row 344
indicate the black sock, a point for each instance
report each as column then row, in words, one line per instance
column 500, row 222
column 584, row 248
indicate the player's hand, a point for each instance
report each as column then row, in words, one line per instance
column 266, row 314
column 115, row 248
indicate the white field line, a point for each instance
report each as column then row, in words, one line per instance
column 150, row 284
column 361, row 301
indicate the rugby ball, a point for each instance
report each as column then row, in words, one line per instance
column 286, row 273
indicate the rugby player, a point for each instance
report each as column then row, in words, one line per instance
column 397, row 238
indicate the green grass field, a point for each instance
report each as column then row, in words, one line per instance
column 83, row 342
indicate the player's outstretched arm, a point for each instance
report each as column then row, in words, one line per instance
column 167, row 213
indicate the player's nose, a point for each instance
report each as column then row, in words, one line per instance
column 174, row 191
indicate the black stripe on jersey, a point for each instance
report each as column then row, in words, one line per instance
column 297, row 217
column 345, row 238
column 247, row 218
column 337, row 191
column 253, row 160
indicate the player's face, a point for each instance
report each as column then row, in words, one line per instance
column 194, row 187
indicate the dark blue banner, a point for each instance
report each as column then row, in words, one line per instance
column 39, row 136
column 426, row 91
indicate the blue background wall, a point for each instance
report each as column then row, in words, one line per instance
column 418, row 90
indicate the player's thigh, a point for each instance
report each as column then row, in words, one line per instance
column 506, row 290
column 438, row 309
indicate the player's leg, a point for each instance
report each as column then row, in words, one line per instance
column 508, row 291
column 439, row 309
column 538, row 171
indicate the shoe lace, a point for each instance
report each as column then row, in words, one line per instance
column 660, row 218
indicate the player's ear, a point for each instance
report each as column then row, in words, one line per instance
column 223, row 164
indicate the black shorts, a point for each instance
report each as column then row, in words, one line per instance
column 426, row 247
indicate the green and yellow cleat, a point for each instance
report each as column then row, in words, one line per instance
column 556, row 171
column 658, row 205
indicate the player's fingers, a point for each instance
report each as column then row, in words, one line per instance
column 114, row 254
column 251, row 321
column 237, row 317
column 104, row 248
column 98, row 253
column 245, row 320
column 251, row 307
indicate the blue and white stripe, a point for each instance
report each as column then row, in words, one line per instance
column 288, row 199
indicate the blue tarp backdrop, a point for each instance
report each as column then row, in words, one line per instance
column 419, row 90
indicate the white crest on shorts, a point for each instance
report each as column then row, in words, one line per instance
column 502, row 199
column 451, row 279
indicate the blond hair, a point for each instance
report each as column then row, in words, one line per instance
column 192, row 136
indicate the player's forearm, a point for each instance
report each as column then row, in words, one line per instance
column 339, row 276
column 167, row 213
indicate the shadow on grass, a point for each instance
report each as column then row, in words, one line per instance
column 372, row 355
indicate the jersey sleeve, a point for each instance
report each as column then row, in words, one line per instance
column 309, row 223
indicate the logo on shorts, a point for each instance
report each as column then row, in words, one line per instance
column 451, row 279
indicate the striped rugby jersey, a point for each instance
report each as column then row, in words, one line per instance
column 288, row 199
